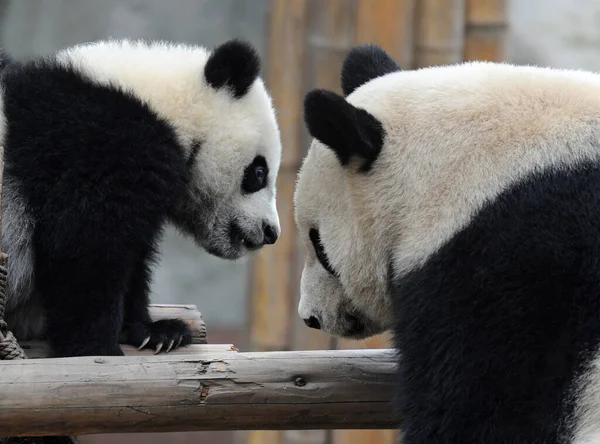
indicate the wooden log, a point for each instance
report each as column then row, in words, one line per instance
column 187, row 313
column 440, row 32
column 224, row 391
column 486, row 30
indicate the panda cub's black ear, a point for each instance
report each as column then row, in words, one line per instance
column 349, row 131
column 235, row 65
column 364, row 63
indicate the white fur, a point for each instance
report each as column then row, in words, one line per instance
column 456, row 137
column 170, row 79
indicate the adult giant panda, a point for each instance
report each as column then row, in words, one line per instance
column 459, row 206
column 106, row 142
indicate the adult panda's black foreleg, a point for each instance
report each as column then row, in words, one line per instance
column 138, row 328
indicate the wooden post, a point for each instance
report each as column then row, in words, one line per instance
column 440, row 32
column 207, row 391
column 486, row 30
column 389, row 24
column 272, row 278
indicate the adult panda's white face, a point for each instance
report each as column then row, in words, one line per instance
column 407, row 158
column 223, row 118
column 344, row 281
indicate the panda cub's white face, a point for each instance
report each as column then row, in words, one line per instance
column 222, row 116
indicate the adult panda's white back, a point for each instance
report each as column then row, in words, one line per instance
column 458, row 206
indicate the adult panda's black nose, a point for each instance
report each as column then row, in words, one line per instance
column 313, row 322
column 270, row 234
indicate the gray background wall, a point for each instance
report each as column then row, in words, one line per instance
column 562, row 33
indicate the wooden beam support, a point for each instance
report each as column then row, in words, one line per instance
column 339, row 389
column 440, row 32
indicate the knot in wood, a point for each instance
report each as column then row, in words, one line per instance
column 300, row 381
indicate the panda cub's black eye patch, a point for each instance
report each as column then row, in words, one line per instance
column 315, row 238
column 255, row 175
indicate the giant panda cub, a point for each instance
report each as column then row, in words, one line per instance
column 459, row 206
column 104, row 144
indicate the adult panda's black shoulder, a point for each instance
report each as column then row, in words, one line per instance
column 458, row 206
column 104, row 144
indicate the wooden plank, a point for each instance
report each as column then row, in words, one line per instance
column 223, row 391
column 331, row 34
column 487, row 13
column 285, row 60
column 486, row 30
column 389, row 24
column 440, row 32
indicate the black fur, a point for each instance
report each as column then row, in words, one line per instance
column 235, row 65
column 347, row 130
column 363, row 64
column 256, row 176
column 495, row 328
column 100, row 173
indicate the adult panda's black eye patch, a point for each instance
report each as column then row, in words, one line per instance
column 315, row 238
column 255, row 175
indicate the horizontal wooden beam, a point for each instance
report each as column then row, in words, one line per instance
column 212, row 390
column 187, row 313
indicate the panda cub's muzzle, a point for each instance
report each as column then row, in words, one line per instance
column 254, row 239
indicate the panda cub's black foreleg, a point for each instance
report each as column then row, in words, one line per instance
column 138, row 328
column 83, row 303
column 94, row 278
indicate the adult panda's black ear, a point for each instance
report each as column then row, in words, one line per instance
column 364, row 63
column 347, row 130
column 234, row 64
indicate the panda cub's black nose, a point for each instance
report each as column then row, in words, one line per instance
column 270, row 235
column 313, row 322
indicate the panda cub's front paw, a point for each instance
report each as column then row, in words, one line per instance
column 166, row 334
